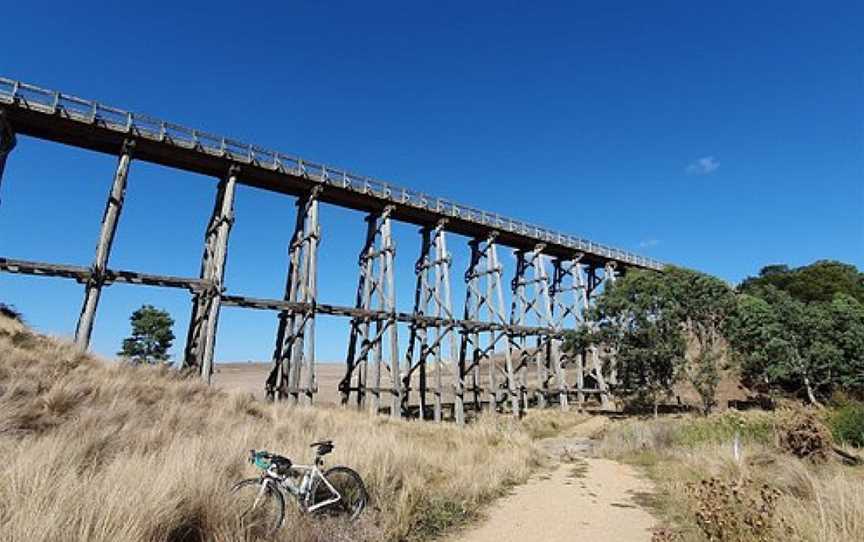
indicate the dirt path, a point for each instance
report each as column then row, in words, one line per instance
column 584, row 498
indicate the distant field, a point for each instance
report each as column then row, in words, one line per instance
column 250, row 377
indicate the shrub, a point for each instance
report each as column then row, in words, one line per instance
column 847, row 424
column 11, row 312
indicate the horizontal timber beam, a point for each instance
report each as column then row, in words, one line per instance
column 82, row 274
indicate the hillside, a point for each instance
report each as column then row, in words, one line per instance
column 96, row 450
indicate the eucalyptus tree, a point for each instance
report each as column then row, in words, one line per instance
column 784, row 343
column 663, row 327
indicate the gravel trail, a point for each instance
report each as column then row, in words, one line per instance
column 583, row 498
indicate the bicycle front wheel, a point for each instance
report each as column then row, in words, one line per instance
column 260, row 506
column 349, row 498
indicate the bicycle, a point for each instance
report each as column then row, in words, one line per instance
column 338, row 491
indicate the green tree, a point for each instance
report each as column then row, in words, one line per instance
column 660, row 328
column 633, row 329
column 817, row 282
column 754, row 332
column 770, row 333
column 787, row 344
column 704, row 304
column 151, row 336
column 844, row 328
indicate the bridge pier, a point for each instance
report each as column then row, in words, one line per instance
column 7, row 142
column 93, row 285
column 432, row 299
column 376, row 296
column 609, row 279
column 567, row 314
column 484, row 268
column 593, row 360
column 293, row 372
column 418, row 332
column 533, row 305
column 206, row 302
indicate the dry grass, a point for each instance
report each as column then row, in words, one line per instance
column 98, row 451
column 700, row 483
column 541, row 424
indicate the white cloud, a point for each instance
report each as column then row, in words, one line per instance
column 648, row 243
column 703, row 166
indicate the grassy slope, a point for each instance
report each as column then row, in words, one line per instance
column 98, row 451
column 815, row 502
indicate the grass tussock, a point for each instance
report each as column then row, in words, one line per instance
column 767, row 493
column 100, row 451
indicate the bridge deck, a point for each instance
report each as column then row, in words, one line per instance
column 55, row 116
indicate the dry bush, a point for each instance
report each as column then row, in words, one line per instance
column 99, row 451
column 730, row 511
column 803, row 435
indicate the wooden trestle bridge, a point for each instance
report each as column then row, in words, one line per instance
column 557, row 275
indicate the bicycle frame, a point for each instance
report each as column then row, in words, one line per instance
column 301, row 493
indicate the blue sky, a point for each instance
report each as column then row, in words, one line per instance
column 722, row 137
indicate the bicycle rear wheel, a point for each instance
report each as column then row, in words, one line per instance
column 352, row 496
column 260, row 509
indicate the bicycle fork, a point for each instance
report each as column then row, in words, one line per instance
column 261, row 492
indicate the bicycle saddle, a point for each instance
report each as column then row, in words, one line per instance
column 324, row 447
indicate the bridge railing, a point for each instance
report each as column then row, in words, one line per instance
column 143, row 126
